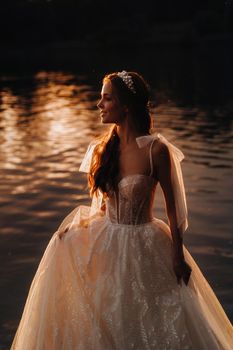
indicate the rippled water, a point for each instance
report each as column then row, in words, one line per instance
column 46, row 123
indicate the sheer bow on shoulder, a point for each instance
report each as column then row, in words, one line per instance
column 82, row 215
column 176, row 156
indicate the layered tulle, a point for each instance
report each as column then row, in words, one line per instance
column 111, row 286
column 109, row 282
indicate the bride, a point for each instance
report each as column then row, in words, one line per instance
column 113, row 276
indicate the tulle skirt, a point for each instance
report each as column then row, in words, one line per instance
column 109, row 286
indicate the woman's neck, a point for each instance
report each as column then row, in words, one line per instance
column 127, row 136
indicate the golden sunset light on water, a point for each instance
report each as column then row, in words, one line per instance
column 45, row 133
column 54, row 56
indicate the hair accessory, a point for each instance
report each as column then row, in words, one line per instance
column 127, row 79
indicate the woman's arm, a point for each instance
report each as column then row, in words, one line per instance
column 163, row 165
column 164, row 177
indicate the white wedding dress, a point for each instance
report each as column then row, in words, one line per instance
column 109, row 282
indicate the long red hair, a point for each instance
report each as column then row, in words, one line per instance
column 104, row 168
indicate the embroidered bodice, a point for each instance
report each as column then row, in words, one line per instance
column 132, row 203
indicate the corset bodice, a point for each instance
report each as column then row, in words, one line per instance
column 132, row 204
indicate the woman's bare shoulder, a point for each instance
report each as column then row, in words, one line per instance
column 159, row 151
column 161, row 160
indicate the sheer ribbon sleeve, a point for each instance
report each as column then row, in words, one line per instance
column 176, row 156
column 82, row 215
column 85, row 167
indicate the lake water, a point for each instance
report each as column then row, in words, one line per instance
column 46, row 122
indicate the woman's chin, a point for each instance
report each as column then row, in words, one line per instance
column 105, row 120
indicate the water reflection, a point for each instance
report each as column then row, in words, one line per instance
column 46, row 122
column 54, row 120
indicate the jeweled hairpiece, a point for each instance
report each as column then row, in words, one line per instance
column 127, row 79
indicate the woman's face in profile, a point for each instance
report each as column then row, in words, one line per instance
column 111, row 110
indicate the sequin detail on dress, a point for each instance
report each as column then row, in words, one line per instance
column 109, row 284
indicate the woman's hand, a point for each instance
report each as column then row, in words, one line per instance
column 182, row 269
column 62, row 233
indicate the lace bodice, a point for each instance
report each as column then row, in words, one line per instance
column 132, row 203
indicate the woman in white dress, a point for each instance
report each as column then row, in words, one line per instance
column 113, row 276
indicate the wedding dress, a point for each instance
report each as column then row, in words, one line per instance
column 109, row 282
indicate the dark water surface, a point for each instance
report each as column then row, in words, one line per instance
column 46, row 123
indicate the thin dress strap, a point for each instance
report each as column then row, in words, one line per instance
column 151, row 160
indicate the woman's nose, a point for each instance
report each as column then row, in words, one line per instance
column 99, row 104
